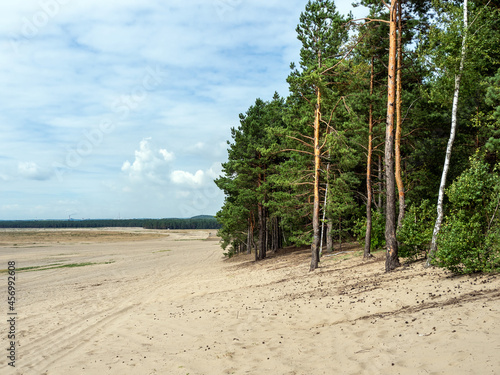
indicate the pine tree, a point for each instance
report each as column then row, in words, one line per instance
column 245, row 181
column 322, row 33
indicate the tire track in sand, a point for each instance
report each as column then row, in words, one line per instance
column 52, row 347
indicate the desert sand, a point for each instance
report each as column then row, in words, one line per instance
column 146, row 302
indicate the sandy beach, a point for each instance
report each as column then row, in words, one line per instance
column 167, row 302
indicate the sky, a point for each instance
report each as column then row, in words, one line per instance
column 123, row 108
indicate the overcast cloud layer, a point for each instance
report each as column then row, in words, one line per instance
column 123, row 108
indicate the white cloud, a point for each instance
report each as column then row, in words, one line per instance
column 150, row 165
column 168, row 156
column 189, row 179
column 199, row 179
column 32, row 171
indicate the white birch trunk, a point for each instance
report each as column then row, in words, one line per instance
column 453, row 131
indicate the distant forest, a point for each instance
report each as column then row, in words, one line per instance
column 197, row 222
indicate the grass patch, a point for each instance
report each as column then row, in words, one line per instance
column 55, row 265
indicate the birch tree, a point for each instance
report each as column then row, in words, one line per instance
column 449, row 147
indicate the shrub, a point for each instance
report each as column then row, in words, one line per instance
column 378, row 230
column 469, row 239
column 415, row 233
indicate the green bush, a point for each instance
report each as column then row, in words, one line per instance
column 378, row 230
column 415, row 234
column 469, row 239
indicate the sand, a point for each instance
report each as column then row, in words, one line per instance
column 169, row 303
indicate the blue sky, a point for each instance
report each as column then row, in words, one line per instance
column 123, row 108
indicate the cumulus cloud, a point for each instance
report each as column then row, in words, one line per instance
column 32, row 171
column 199, row 179
column 153, row 164
column 149, row 165
column 186, row 178
column 168, row 156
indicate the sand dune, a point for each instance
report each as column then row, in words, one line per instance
column 170, row 304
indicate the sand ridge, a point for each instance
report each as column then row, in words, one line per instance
column 173, row 305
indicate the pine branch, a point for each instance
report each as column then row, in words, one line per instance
column 294, row 150
column 370, row 20
column 301, row 141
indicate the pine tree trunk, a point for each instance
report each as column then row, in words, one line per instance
column 249, row 236
column 276, row 234
column 262, row 232
column 316, row 228
column 266, row 233
column 329, row 238
column 324, row 210
column 260, row 253
column 368, row 235
column 381, row 186
column 340, row 233
column 257, row 247
column 399, row 177
column 454, row 111
column 392, row 259
column 272, row 237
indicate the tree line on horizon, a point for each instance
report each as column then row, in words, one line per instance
column 390, row 135
column 197, row 222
